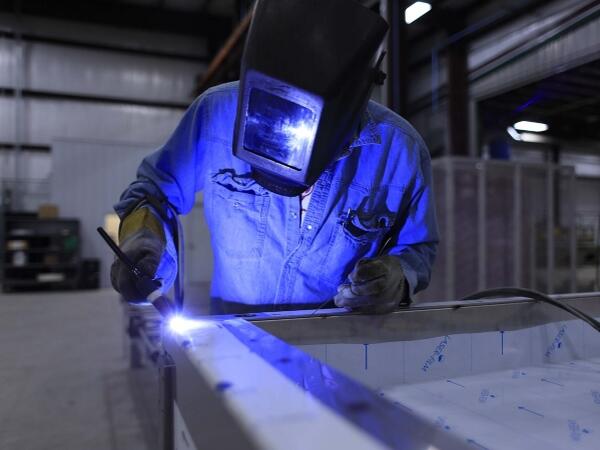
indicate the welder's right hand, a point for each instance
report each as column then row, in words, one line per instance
column 142, row 238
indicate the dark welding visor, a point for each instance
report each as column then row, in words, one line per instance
column 307, row 73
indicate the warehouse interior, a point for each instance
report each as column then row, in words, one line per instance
column 506, row 97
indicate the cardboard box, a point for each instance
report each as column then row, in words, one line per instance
column 48, row 211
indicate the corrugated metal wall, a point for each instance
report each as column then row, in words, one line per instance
column 75, row 91
column 100, row 171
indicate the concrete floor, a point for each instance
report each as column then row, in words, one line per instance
column 64, row 377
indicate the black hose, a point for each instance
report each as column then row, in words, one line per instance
column 534, row 295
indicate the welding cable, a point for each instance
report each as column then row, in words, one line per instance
column 534, row 295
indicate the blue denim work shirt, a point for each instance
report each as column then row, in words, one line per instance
column 263, row 253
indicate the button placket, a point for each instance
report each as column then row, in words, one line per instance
column 316, row 206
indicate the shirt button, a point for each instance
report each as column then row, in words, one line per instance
column 309, row 227
column 294, row 215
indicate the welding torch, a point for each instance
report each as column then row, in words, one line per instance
column 147, row 286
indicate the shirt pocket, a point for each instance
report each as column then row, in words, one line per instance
column 356, row 235
column 239, row 209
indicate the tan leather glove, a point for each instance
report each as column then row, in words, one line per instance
column 142, row 239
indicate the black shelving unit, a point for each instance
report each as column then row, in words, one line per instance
column 39, row 254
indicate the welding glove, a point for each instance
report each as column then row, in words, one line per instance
column 143, row 238
column 375, row 286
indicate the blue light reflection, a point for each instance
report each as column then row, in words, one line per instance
column 180, row 324
column 279, row 129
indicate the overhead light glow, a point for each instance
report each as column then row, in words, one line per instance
column 514, row 134
column 179, row 324
column 536, row 127
column 416, row 10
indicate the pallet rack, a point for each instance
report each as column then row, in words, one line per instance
column 39, row 254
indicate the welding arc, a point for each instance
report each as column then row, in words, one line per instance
column 534, row 295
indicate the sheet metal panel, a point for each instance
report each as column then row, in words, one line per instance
column 283, row 398
column 7, row 62
column 421, row 321
column 7, row 119
column 548, row 407
column 50, row 119
column 103, row 73
column 87, row 179
column 37, row 166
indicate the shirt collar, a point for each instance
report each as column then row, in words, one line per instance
column 366, row 136
column 368, row 132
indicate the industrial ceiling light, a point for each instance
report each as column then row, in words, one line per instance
column 513, row 134
column 536, row 127
column 416, row 10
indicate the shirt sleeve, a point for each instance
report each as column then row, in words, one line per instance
column 417, row 239
column 174, row 171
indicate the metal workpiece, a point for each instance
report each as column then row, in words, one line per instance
column 201, row 417
column 240, row 387
column 433, row 375
column 421, row 321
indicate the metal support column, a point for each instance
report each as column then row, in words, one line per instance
column 449, row 237
column 397, row 57
column 473, row 130
column 19, row 78
column 550, row 259
column 572, row 236
column 458, row 99
column 517, row 223
column 481, row 226
column 166, row 372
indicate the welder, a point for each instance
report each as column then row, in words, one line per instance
column 311, row 191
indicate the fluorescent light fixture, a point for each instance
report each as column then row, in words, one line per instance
column 513, row 133
column 536, row 138
column 536, row 127
column 416, row 10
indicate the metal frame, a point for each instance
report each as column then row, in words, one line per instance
column 424, row 320
column 213, row 418
column 224, row 350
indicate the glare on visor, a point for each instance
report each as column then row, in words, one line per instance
column 279, row 129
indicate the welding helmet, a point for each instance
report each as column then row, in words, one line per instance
column 307, row 72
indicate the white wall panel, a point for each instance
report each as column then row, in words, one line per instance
column 7, row 119
column 33, row 186
column 36, row 166
column 7, row 62
column 87, row 179
column 103, row 73
column 50, row 119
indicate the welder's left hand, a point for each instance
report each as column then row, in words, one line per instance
column 376, row 286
